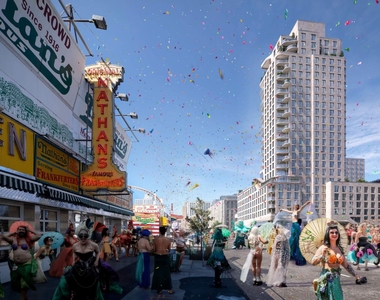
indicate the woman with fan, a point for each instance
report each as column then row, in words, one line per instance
column 331, row 256
column 295, row 252
column 65, row 258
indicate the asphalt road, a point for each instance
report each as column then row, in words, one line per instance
column 299, row 279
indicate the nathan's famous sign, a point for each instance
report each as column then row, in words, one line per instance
column 36, row 33
column 103, row 173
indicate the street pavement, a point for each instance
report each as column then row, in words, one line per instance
column 195, row 281
column 299, row 279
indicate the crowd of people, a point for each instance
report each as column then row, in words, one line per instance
column 85, row 274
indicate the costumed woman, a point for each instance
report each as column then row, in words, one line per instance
column 65, row 258
column 88, row 273
column 143, row 260
column 254, row 257
column 81, row 281
column 280, row 258
column 295, row 252
column 162, row 279
column 105, row 246
column 272, row 236
column 128, row 238
column 362, row 250
column 217, row 260
column 44, row 251
column 179, row 238
column 331, row 256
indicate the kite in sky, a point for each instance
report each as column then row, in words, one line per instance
column 194, row 187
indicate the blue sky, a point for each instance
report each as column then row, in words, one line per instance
column 174, row 53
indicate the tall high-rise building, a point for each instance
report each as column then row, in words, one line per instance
column 303, row 125
column 355, row 169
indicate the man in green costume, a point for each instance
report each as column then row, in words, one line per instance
column 23, row 266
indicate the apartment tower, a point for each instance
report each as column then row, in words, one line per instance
column 303, row 126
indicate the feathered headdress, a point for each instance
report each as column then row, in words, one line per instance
column 85, row 225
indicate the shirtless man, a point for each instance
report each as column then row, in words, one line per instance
column 161, row 276
column 23, row 266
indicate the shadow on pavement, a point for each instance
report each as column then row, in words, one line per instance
column 203, row 288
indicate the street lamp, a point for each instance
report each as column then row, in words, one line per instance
column 98, row 21
column 141, row 130
column 133, row 115
column 122, row 97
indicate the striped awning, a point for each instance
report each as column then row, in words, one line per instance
column 61, row 195
column 15, row 182
column 22, row 189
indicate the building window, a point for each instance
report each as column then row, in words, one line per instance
column 48, row 220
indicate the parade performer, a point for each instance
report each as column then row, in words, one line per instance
column 65, row 258
column 331, row 256
column 179, row 238
column 240, row 233
column 280, row 258
column 23, row 266
column 83, row 280
column 143, row 260
column 376, row 241
column 128, row 239
column 362, row 250
column 272, row 236
column 105, row 246
column 162, row 279
column 295, row 252
column 217, row 260
column 254, row 257
column 44, row 251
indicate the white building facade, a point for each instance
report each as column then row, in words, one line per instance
column 359, row 201
column 355, row 169
column 224, row 210
column 303, row 108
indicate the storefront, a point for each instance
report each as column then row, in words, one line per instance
column 46, row 113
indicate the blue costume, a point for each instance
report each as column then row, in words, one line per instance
column 295, row 252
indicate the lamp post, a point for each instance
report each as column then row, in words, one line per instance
column 98, row 21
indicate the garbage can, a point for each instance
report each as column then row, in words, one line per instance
column 174, row 261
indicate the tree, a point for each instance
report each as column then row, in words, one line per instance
column 199, row 223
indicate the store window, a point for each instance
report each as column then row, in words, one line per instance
column 48, row 220
column 8, row 215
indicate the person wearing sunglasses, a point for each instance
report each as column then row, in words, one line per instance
column 82, row 280
column 331, row 256
column 65, row 257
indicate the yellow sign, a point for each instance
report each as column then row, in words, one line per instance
column 16, row 146
column 55, row 167
column 103, row 174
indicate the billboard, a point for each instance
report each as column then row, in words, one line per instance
column 16, row 146
column 36, row 33
column 56, row 167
